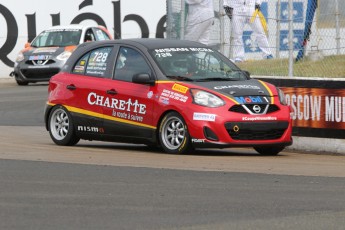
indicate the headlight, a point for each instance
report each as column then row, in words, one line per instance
column 64, row 56
column 281, row 97
column 204, row 98
column 20, row 57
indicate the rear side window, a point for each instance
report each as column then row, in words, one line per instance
column 101, row 35
column 95, row 63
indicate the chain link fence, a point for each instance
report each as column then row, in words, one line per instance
column 320, row 53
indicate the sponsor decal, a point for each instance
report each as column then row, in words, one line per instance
column 124, row 109
column 204, row 117
column 92, row 129
column 251, row 99
column 173, row 95
column 124, row 105
column 78, row 69
column 166, row 52
column 45, row 50
column 97, row 63
column 39, row 57
column 149, row 94
column 237, row 87
column 180, row 88
column 198, row 140
column 128, row 116
column 62, row 30
column 169, row 50
column 259, row 118
column 164, row 100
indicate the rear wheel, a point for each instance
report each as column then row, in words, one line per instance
column 269, row 151
column 173, row 134
column 61, row 128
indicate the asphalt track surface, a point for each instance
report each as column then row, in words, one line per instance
column 98, row 185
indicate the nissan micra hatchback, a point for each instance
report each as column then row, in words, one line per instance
column 48, row 52
column 178, row 95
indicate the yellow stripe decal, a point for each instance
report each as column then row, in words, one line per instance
column 231, row 99
column 99, row 115
column 269, row 91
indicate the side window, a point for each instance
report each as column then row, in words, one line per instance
column 79, row 68
column 95, row 63
column 130, row 62
column 101, row 35
column 89, row 36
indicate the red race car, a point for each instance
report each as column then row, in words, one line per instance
column 175, row 94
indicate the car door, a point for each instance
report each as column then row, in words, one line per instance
column 130, row 116
column 88, row 86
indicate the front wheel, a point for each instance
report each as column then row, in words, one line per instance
column 173, row 134
column 269, row 151
column 61, row 128
column 22, row 83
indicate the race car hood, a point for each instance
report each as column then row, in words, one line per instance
column 39, row 53
column 238, row 90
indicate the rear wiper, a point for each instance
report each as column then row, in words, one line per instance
column 180, row 78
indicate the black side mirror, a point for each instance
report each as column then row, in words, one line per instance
column 143, row 78
column 246, row 73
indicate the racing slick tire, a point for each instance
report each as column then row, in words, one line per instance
column 173, row 134
column 269, row 151
column 61, row 128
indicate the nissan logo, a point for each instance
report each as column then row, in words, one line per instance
column 256, row 108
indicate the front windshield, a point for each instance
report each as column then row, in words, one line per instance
column 57, row 37
column 196, row 64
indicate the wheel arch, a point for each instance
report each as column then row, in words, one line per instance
column 47, row 112
column 159, row 123
column 161, row 119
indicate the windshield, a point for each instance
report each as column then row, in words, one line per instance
column 196, row 64
column 58, row 37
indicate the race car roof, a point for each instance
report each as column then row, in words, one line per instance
column 72, row 26
column 152, row 43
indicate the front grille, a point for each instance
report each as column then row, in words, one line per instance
column 40, row 73
column 249, row 108
column 36, row 62
column 256, row 131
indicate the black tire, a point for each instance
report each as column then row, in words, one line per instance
column 173, row 134
column 269, row 151
column 22, row 83
column 61, row 128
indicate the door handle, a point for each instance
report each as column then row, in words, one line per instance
column 111, row 91
column 71, row 87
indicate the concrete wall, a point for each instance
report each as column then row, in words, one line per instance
column 20, row 20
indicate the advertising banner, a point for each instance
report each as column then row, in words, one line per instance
column 318, row 105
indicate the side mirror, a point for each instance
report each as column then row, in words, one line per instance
column 246, row 74
column 143, row 78
column 27, row 45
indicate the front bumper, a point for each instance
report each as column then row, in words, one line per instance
column 25, row 72
column 231, row 129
